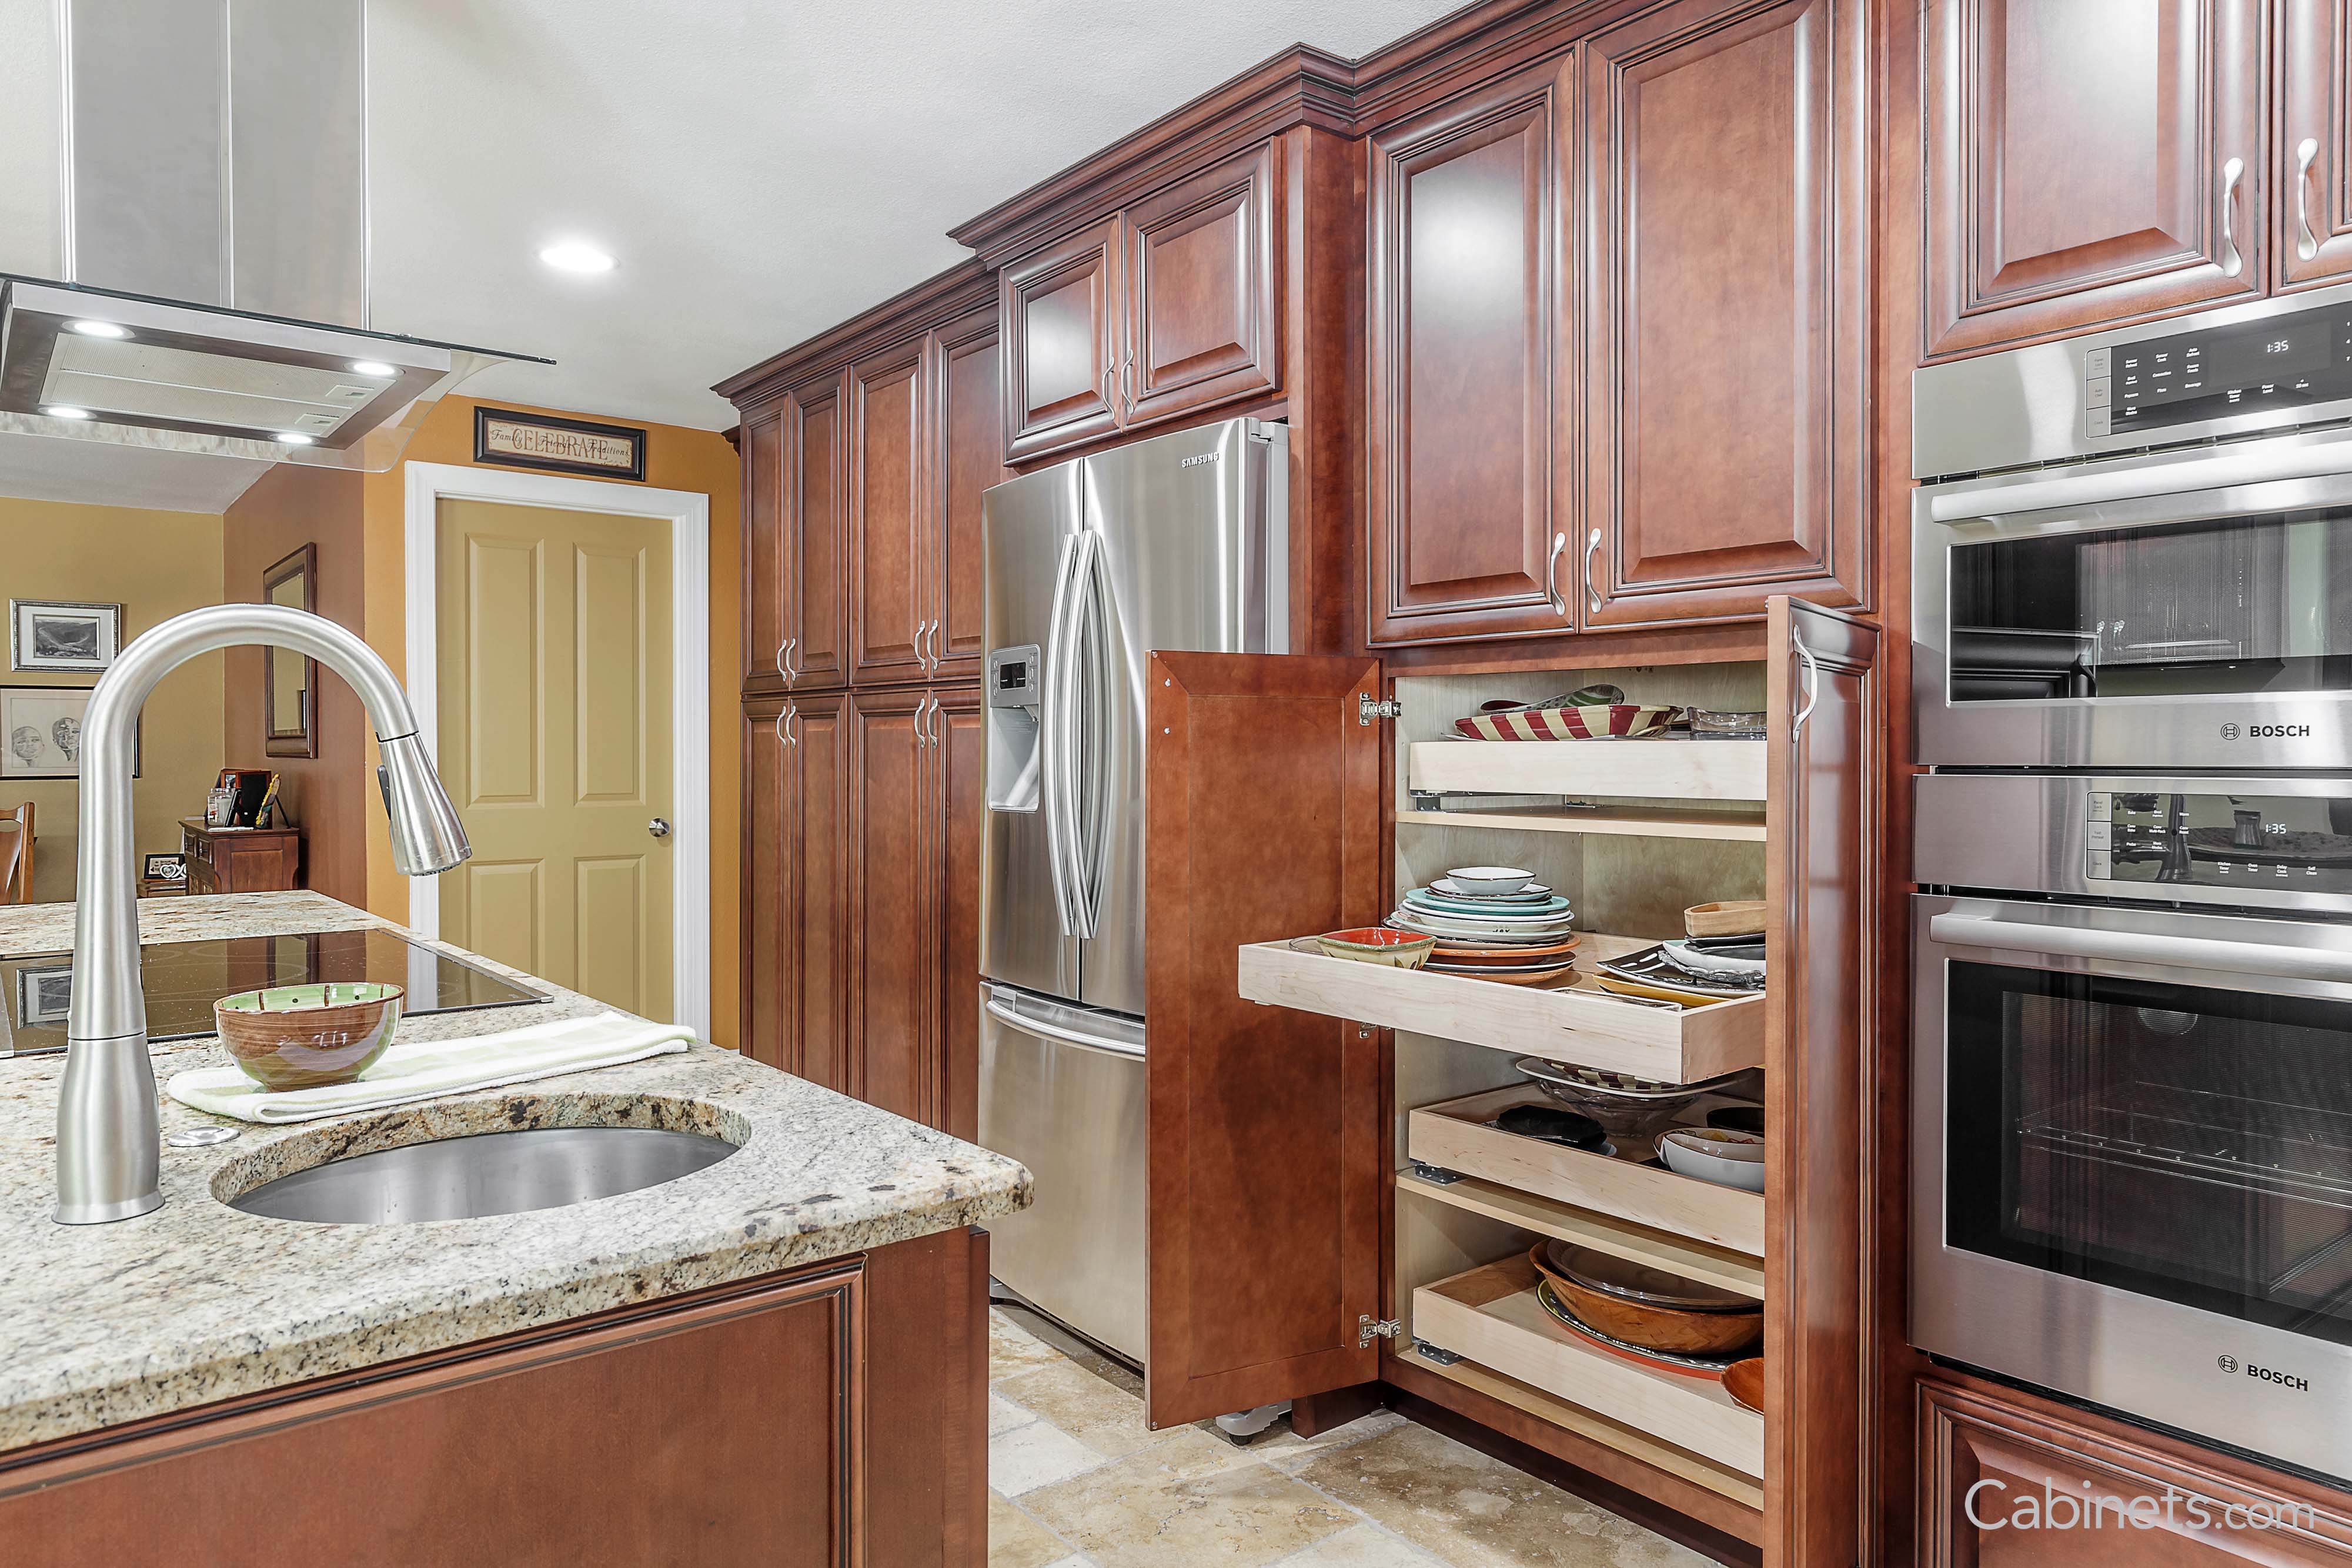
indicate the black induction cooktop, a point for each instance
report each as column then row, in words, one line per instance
column 183, row 980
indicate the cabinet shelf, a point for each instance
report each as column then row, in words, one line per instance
column 1490, row 1315
column 1737, row 827
column 1456, row 1136
column 1602, row 1232
column 1644, row 769
column 1629, row 1440
column 1581, row 1023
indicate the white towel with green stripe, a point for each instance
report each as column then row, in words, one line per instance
column 430, row 1069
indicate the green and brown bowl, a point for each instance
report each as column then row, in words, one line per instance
column 299, row 1037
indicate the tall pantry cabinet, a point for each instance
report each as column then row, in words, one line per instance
column 865, row 454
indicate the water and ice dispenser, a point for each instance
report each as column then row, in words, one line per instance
column 1013, row 693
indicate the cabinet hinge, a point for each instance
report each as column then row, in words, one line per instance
column 1367, row 1330
column 1370, row 708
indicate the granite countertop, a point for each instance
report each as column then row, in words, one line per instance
column 197, row 1301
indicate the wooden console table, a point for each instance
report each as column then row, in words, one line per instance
column 241, row 859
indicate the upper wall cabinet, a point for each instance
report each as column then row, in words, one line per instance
column 1472, row 476
column 1727, row 286
column 2313, row 238
column 888, row 516
column 1169, row 306
column 814, row 595
column 968, row 448
column 2094, row 161
column 764, row 543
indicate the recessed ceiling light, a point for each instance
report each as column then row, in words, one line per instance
column 375, row 368
column 100, row 330
column 293, row 438
column 573, row 257
column 61, row 411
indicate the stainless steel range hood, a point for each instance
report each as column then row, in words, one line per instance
column 211, row 294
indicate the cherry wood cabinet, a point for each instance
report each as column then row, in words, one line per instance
column 830, row 1416
column 891, row 517
column 795, row 915
column 1727, row 276
column 2009, row 1479
column 2310, row 239
column 761, row 445
column 1472, row 469
column 967, row 447
column 960, row 760
column 1168, row 307
column 2091, row 161
column 814, row 587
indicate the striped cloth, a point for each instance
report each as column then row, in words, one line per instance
column 430, row 1069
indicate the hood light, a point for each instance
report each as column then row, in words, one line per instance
column 60, row 411
column 573, row 257
column 293, row 438
column 100, row 330
column 375, row 368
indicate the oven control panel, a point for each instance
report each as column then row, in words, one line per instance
column 2259, row 843
column 2245, row 367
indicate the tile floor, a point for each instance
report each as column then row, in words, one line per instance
column 1076, row 1481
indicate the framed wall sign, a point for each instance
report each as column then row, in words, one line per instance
column 72, row 639
column 559, row 446
column 42, row 728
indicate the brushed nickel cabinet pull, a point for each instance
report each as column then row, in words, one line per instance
column 1551, row 576
column 2306, row 244
column 1591, row 584
column 2233, row 172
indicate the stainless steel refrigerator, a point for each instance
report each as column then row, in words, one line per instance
column 1176, row 543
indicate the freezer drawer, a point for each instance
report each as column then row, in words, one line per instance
column 1073, row 1113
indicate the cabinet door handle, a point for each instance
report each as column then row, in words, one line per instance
column 1551, row 576
column 932, row 657
column 1126, row 383
column 922, row 630
column 781, row 740
column 2306, row 244
column 1591, row 586
column 2231, row 173
column 1108, row 371
column 1813, row 686
column 782, row 672
column 784, row 664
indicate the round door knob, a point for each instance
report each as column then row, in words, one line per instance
column 658, row 826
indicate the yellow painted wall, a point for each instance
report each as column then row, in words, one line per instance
column 675, row 459
column 155, row 565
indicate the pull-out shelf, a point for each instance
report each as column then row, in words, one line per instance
column 1456, row 1136
column 1491, row 1316
column 1581, row 1024
column 1643, row 770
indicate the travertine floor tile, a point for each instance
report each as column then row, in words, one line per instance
column 1471, row 1511
column 1036, row 1455
column 1012, row 1352
column 1159, row 1508
column 1362, row 1547
column 1016, row 1540
column 1286, row 1451
column 1103, row 1417
column 1003, row 1415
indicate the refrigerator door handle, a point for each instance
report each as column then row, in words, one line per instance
column 1088, row 656
column 1054, row 738
column 1010, row 1015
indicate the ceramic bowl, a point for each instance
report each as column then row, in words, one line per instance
column 1629, row 1108
column 299, row 1037
column 1489, row 880
column 1378, row 944
column 1714, row 1154
column 1744, row 1381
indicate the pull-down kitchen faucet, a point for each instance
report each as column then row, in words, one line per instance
column 107, row 1158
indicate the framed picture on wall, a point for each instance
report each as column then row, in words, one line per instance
column 42, row 728
column 72, row 639
column 44, row 995
column 289, row 727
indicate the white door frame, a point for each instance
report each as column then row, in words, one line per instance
column 688, row 514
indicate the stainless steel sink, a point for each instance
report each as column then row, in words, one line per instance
column 487, row 1174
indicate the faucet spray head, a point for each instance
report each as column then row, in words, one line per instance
column 426, row 837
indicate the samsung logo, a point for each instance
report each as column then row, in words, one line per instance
column 1196, row 462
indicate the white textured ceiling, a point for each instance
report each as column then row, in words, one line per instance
column 762, row 171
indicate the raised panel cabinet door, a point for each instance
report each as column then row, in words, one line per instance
column 894, row 944
column 2089, row 162
column 1825, row 757
column 1727, row 284
column 770, row 869
column 1268, row 1141
column 2018, row 1482
column 890, row 517
column 1203, row 291
column 2311, row 237
column 1061, row 308
column 960, row 763
column 765, row 480
column 816, row 527
column 968, row 400
column 817, row 929
column 1471, row 471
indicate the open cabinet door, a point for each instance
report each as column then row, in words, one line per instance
column 1265, row 1144
column 1824, row 749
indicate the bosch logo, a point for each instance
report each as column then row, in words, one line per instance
column 2284, row 1379
column 2230, row 732
column 2226, row 1363
column 2279, row 731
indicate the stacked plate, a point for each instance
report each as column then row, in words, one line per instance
column 1504, row 926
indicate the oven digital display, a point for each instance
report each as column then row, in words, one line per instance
column 2282, row 362
column 2261, row 844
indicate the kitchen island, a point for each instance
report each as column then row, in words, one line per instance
column 724, row 1366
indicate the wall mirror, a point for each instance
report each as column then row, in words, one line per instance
column 288, row 715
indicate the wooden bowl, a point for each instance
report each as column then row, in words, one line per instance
column 1736, row 918
column 299, row 1037
column 1669, row 1329
column 1744, row 1381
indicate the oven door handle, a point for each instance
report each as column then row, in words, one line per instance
column 2268, row 958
